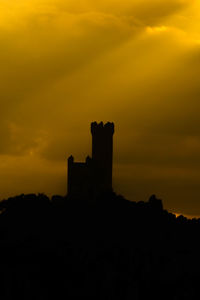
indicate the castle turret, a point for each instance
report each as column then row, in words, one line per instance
column 102, row 154
column 89, row 178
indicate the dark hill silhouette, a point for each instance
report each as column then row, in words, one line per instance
column 111, row 249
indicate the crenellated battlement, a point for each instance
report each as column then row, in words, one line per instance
column 102, row 128
column 71, row 160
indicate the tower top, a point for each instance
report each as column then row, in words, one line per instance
column 101, row 127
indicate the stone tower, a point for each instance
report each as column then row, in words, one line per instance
column 93, row 176
column 102, row 154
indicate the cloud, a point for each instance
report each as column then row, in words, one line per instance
column 46, row 46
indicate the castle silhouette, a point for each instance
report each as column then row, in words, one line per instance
column 94, row 176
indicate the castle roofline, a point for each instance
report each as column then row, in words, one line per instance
column 98, row 127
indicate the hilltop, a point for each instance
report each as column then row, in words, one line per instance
column 108, row 249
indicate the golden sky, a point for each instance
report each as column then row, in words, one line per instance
column 65, row 63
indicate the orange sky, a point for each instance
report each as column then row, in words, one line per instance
column 65, row 63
